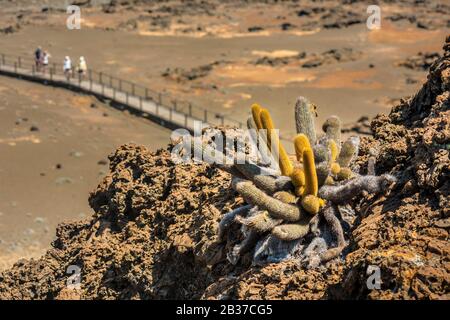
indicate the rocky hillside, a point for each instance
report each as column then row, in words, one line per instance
column 154, row 231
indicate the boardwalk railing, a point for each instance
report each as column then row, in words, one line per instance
column 169, row 112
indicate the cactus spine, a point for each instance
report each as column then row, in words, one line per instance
column 256, row 110
column 289, row 232
column 285, row 197
column 323, row 171
column 332, row 129
column 276, row 208
column 274, row 144
column 311, row 184
column 344, row 193
column 260, row 222
column 276, row 214
column 334, row 149
column 348, row 151
column 298, row 180
column 345, row 174
column 301, row 143
column 321, row 153
column 304, row 118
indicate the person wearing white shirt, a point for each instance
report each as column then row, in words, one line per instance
column 67, row 66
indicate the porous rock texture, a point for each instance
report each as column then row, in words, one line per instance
column 154, row 231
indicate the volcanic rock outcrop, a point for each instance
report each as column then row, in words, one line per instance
column 154, row 231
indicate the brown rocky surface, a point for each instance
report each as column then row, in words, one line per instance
column 421, row 61
column 153, row 234
column 177, row 16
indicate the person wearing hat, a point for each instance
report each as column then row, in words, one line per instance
column 82, row 67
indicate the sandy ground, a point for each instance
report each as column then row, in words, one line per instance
column 46, row 175
column 149, row 49
column 222, row 56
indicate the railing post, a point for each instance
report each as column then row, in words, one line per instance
column 52, row 71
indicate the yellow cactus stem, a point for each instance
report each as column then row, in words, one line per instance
column 335, row 168
column 329, row 181
column 285, row 196
column 267, row 124
column 311, row 183
column 345, row 174
column 312, row 204
column 301, row 142
column 256, row 110
column 298, row 177
column 322, row 202
column 285, row 163
column 334, row 149
column 298, row 180
column 299, row 191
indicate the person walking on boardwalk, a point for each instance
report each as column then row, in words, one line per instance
column 45, row 60
column 67, row 67
column 82, row 68
column 37, row 58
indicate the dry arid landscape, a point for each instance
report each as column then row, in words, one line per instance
column 86, row 183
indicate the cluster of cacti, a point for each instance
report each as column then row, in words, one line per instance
column 294, row 212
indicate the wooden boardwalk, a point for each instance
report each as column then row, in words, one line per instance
column 142, row 101
column 107, row 87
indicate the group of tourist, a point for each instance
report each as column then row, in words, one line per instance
column 41, row 58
